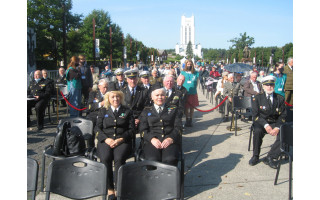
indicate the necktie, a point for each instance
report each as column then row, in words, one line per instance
column 132, row 94
column 159, row 109
column 167, row 93
column 269, row 100
column 115, row 112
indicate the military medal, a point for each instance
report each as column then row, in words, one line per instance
column 149, row 114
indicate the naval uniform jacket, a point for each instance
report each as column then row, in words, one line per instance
column 263, row 113
column 161, row 126
column 95, row 97
column 138, row 101
column 111, row 126
column 41, row 89
column 175, row 99
column 115, row 85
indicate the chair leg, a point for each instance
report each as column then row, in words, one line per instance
column 42, row 171
column 290, row 178
column 278, row 170
column 182, row 180
column 250, row 137
column 235, row 124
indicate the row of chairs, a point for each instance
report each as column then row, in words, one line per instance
column 82, row 178
column 86, row 127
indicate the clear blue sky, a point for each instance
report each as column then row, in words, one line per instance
column 157, row 23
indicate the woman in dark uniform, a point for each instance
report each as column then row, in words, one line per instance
column 160, row 126
column 115, row 126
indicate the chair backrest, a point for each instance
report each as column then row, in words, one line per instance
column 286, row 134
column 289, row 117
column 85, row 125
column 77, row 178
column 241, row 102
column 32, row 174
column 147, row 180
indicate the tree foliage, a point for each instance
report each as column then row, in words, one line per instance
column 242, row 41
column 189, row 50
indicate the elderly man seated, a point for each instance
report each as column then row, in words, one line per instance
column 95, row 101
column 230, row 89
column 269, row 112
column 120, row 81
column 252, row 86
column 38, row 96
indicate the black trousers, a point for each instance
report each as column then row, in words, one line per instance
column 168, row 155
column 40, row 107
column 118, row 154
column 258, row 134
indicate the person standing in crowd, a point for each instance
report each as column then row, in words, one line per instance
column 288, row 70
column 115, row 129
column 86, row 78
column 191, row 85
column 268, row 114
column 160, row 127
column 280, row 79
column 252, row 86
column 74, row 85
column 40, row 91
column 95, row 78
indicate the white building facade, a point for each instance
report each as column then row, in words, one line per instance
column 187, row 33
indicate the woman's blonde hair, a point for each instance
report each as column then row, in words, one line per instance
column 106, row 98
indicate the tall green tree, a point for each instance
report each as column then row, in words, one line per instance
column 46, row 17
column 242, row 41
column 189, row 50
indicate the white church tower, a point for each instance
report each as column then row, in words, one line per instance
column 187, row 33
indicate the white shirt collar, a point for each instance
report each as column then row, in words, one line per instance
column 157, row 107
column 113, row 108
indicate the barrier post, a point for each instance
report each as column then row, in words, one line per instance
column 232, row 127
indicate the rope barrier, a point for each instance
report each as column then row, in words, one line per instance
column 210, row 109
column 288, row 104
column 71, row 104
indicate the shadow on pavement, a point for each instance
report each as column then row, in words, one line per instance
column 207, row 175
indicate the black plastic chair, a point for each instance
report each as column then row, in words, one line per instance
column 32, row 175
column 139, row 156
column 77, row 178
column 86, row 127
column 239, row 103
column 148, row 180
column 286, row 140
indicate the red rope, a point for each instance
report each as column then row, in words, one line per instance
column 210, row 109
column 288, row 104
column 72, row 105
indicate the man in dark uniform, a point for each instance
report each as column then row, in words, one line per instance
column 120, row 81
column 145, row 83
column 40, row 91
column 48, row 81
column 135, row 97
column 268, row 113
column 155, row 79
column 86, row 78
column 179, row 87
column 62, row 77
column 95, row 102
column 173, row 96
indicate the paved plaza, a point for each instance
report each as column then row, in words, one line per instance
column 216, row 161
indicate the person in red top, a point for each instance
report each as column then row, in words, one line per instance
column 214, row 73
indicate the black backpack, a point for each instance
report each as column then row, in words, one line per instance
column 69, row 141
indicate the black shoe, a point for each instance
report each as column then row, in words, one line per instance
column 40, row 127
column 269, row 161
column 112, row 197
column 254, row 160
column 225, row 119
column 188, row 124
